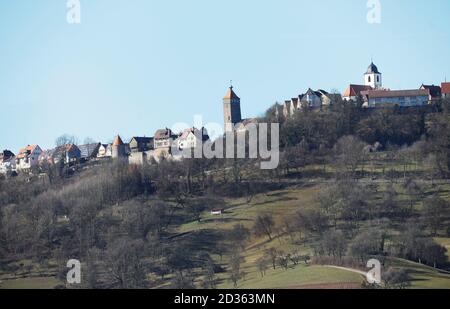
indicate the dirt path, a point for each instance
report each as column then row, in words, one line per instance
column 362, row 273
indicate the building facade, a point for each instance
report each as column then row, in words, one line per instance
column 445, row 89
column 392, row 98
column 28, row 157
column 7, row 162
column 373, row 77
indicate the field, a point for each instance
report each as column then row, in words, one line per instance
column 280, row 204
column 283, row 203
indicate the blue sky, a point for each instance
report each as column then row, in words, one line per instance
column 132, row 67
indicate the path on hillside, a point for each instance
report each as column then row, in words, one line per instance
column 348, row 269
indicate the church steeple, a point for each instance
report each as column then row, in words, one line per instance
column 231, row 109
column 373, row 77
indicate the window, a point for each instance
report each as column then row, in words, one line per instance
column 369, row 79
column 378, row 79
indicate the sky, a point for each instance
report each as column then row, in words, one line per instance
column 134, row 66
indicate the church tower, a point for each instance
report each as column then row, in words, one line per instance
column 231, row 110
column 372, row 77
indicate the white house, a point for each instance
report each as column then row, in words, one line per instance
column 105, row 151
column 192, row 138
column 311, row 99
column 7, row 162
column 28, row 157
column 400, row 98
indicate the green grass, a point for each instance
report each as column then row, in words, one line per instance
column 298, row 277
column 278, row 203
column 284, row 203
column 444, row 242
column 424, row 277
column 30, row 283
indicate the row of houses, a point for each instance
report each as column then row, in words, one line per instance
column 310, row 99
column 371, row 93
column 137, row 151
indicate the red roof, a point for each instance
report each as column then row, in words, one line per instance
column 117, row 141
column 396, row 93
column 445, row 88
column 26, row 151
column 355, row 90
column 230, row 94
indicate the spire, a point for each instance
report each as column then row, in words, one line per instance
column 231, row 94
column 117, row 141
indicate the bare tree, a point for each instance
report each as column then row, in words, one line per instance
column 264, row 225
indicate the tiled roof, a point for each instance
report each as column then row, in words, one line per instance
column 231, row 94
column 355, row 90
column 117, row 141
column 89, row 150
column 196, row 132
column 6, row 155
column 143, row 140
column 164, row 133
column 445, row 88
column 24, row 152
column 435, row 91
column 395, row 93
column 372, row 69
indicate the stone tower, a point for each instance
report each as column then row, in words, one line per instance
column 231, row 110
column 118, row 149
column 372, row 77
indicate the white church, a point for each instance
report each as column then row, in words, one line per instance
column 374, row 95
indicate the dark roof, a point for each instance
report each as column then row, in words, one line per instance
column 164, row 133
column 435, row 91
column 6, row 155
column 89, row 150
column 231, row 94
column 372, row 69
column 143, row 140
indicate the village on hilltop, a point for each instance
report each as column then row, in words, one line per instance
column 146, row 149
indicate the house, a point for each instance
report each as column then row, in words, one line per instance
column 192, row 138
column 435, row 92
column 141, row 144
column 105, row 151
column 70, row 154
column 354, row 91
column 288, row 109
column 164, row 138
column 28, row 157
column 400, row 98
column 445, row 90
column 7, row 162
column 89, row 151
column 328, row 98
column 311, row 99
column 217, row 212
column 245, row 124
column 279, row 110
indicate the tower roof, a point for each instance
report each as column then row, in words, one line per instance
column 117, row 141
column 372, row 69
column 231, row 94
